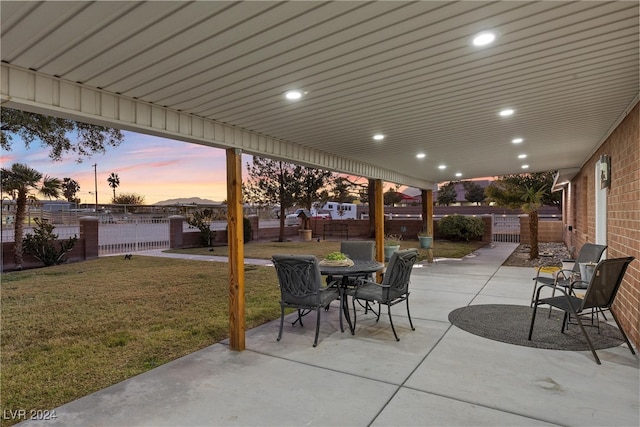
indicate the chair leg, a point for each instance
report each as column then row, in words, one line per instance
column 379, row 311
column 409, row 315
column 340, row 309
column 299, row 318
column 584, row 332
column 533, row 295
column 533, row 319
column 553, row 294
column 353, row 325
column 281, row 321
column 622, row 332
column 315, row 341
column 391, row 321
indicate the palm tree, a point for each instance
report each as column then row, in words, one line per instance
column 532, row 199
column 114, row 182
column 51, row 187
column 19, row 181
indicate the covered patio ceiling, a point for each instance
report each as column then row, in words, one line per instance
column 407, row 70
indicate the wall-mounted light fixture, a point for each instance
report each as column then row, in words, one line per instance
column 605, row 171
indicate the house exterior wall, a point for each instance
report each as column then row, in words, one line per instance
column 623, row 213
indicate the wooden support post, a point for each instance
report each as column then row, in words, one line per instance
column 236, row 249
column 427, row 218
column 378, row 205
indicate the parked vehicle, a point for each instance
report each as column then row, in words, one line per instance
column 341, row 210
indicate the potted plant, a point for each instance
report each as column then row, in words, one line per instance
column 425, row 240
column 391, row 244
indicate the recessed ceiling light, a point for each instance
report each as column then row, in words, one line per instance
column 458, row 174
column 484, row 38
column 506, row 112
column 378, row 137
column 525, row 166
column 421, row 155
column 442, row 167
column 522, row 156
column 293, row 95
column 517, row 140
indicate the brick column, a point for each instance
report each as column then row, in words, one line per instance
column 255, row 224
column 487, row 236
column 176, row 239
column 89, row 235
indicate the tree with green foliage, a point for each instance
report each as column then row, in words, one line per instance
column 447, row 194
column 274, row 182
column 19, row 181
column 527, row 192
column 508, row 190
column 201, row 219
column 128, row 199
column 532, row 200
column 308, row 182
column 70, row 188
column 270, row 183
column 52, row 133
column 114, row 182
column 474, row 192
column 42, row 244
column 343, row 189
column 392, row 196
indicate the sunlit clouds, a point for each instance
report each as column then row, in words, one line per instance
column 153, row 167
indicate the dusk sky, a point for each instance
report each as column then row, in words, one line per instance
column 156, row 168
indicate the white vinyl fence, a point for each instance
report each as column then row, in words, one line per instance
column 133, row 235
column 506, row 228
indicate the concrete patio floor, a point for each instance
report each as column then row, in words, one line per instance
column 436, row 375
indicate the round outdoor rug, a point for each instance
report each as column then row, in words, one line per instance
column 510, row 324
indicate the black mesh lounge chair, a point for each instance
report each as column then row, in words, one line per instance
column 589, row 253
column 600, row 294
column 301, row 288
column 393, row 289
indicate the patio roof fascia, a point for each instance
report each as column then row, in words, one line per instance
column 40, row 93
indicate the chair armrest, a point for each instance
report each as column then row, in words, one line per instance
column 557, row 288
column 360, row 282
column 572, row 285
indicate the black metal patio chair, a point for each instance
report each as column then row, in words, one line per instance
column 600, row 294
column 393, row 289
column 301, row 288
column 589, row 253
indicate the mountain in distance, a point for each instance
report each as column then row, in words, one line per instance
column 187, row 201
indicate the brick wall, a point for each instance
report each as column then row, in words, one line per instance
column 86, row 247
column 623, row 213
column 548, row 231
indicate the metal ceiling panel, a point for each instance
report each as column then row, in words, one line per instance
column 405, row 69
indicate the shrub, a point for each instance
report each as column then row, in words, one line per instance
column 42, row 244
column 246, row 229
column 201, row 219
column 248, row 232
column 460, row 227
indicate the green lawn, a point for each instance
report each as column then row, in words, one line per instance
column 73, row 329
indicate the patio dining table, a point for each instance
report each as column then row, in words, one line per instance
column 359, row 268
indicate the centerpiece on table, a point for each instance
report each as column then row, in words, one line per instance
column 336, row 259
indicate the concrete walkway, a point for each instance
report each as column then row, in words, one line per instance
column 436, row 375
column 160, row 253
